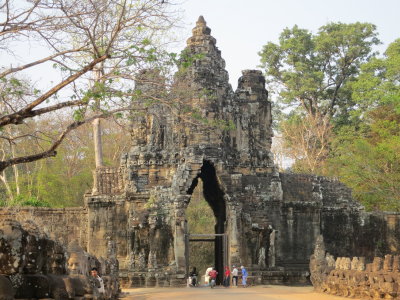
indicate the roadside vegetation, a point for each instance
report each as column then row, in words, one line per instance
column 337, row 107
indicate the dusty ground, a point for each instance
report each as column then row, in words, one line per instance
column 252, row 293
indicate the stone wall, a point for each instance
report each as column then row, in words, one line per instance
column 61, row 224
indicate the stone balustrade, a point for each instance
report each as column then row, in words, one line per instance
column 108, row 181
column 353, row 277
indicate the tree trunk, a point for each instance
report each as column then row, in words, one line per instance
column 3, row 178
column 16, row 172
column 98, row 149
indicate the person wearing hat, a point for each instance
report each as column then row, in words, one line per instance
column 244, row 276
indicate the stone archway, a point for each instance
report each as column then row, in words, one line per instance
column 214, row 196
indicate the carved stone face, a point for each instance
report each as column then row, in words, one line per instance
column 346, row 263
column 388, row 263
column 330, row 260
column 78, row 261
column 361, row 264
column 396, row 263
column 57, row 265
column 74, row 264
column 319, row 250
column 12, row 240
column 354, row 263
column 377, row 264
column 33, row 256
column 57, row 260
column 338, row 263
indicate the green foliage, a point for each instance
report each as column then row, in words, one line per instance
column 199, row 213
column 79, row 114
column 370, row 164
column 334, row 76
column 378, row 82
column 187, row 59
column 151, row 203
column 12, row 90
column 200, row 219
column 26, row 200
column 60, row 181
column 366, row 154
column 32, row 201
column 58, row 185
column 51, row 186
column 313, row 70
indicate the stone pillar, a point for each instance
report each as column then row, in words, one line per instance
column 179, row 232
column 232, row 230
column 290, row 223
column 100, row 217
column 179, row 244
column 272, row 249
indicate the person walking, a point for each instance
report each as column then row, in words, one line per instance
column 207, row 276
column 235, row 276
column 227, row 277
column 244, row 276
column 213, row 277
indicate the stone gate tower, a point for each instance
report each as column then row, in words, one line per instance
column 271, row 219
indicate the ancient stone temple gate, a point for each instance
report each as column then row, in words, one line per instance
column 270, row 219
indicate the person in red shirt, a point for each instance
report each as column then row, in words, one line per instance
column 227, row 277
column 213, row 277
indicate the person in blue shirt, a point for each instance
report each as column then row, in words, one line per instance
column 244, row 276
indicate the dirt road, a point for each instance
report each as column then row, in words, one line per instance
column 252, row 293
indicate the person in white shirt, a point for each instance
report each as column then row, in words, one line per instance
column 98, row 290
column 207, row 276
column 235, row 276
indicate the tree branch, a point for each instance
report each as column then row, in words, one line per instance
column 51, row 151
column 20, row 68
column 17, row 117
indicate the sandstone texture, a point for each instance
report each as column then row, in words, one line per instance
column 268, row 221
column 353, row 278
column 33, row 266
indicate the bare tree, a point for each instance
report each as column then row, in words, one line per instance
column 97, row 45
column 306, row 141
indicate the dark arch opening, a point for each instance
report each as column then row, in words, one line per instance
column 214, row 196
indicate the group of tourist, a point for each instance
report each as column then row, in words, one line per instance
column 235, row 276
column 211, row 274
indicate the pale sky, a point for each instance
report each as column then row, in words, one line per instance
column 242, row 27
